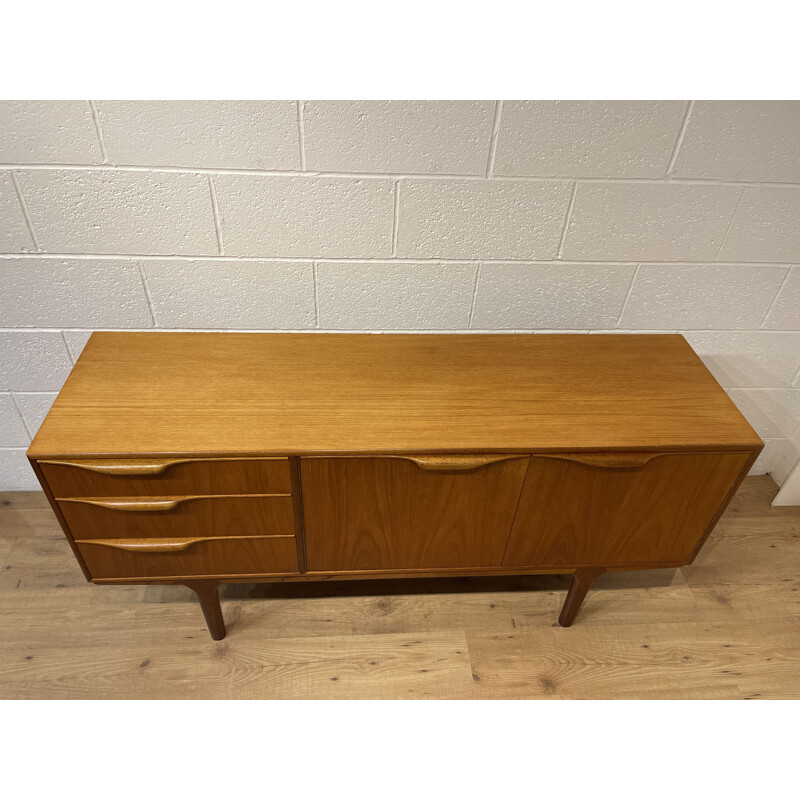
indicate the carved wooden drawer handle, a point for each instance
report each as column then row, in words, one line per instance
column 442, row 463
column 145, row 545
column 118, row 467
column 605, row 460
column 129, row 505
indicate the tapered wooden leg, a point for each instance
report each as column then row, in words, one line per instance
column 581, row 581
column 208, row 595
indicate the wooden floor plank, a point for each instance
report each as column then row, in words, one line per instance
column 726, row 627
column 422, row 666
column 598, row 662
column 6, row 546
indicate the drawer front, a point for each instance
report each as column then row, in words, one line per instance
column 169, row 517
column 409, row 512
column 136, row 477
column 618, row 508
column 130, row 558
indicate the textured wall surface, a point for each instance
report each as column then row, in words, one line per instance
column 402, row 216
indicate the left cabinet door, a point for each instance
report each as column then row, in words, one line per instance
column 409, row 512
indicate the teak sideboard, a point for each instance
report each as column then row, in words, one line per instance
column 208, row 458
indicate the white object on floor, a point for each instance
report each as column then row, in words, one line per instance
column 789, row 495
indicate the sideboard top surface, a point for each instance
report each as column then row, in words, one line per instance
column 263, row 393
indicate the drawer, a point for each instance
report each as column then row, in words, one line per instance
column 165, row 517
column 136, row 477
column 188, row 557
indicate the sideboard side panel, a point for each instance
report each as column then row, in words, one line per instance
column 59, row 516
column 727, row 500
column 575, row 510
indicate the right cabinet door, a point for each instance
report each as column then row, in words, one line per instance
column 618, row 508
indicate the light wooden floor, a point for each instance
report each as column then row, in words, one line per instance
column 726, row 627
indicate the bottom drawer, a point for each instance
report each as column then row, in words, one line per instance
column 180, row 558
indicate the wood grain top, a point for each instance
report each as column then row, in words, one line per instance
column 271, row 393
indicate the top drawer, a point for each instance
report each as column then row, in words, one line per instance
column 136, row 477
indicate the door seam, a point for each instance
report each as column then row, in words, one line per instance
column 516, row 509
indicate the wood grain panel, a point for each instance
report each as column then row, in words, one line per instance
column 572, row 512
column 281, row 394
column 251, row 515
column 388, row 513
column 131, row 477
column 249, row 555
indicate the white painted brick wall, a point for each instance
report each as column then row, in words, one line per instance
column 649, row 222
column 33, row 360
column 750, row 359
column 404, row 215
column 76, row 341
column 16, row 473
column 701, row 296
column 12, row 429
column 408, row 136
column 772, row 412
column 72, row 293
column 228, row 134
column 305, row 217
column 34, row 407
column 765, row 227
column 14, row 234
column 740, row 141
column 109, row 211
column 587, row 139
column 48, row 132
column 265, row 295
column 481, row 218
column 551, row 296
column 786, row 308
column 397, row 296
column 777, row 458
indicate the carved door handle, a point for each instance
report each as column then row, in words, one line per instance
column 145, row 545
column 460, row 463
column 605, row 460
column 107, row 467
column 129, row 505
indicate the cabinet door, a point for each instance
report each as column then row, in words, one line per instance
column 399, row 513
column 618, row 508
